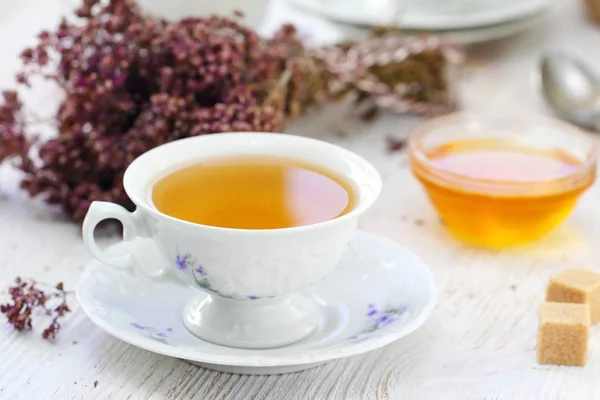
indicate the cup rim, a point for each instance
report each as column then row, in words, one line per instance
column 375, row 184
column 423, row 165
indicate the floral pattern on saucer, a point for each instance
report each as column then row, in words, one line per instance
column 151, row 332
column 379, row 293
column 378, row 319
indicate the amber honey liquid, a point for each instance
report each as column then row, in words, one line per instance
column 498, row 220
column 253, row 192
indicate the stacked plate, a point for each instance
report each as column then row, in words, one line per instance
column 462, row 21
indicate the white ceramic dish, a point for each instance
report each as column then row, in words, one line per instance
column 424, row 14
column 488, row 33
column 318, row 31
column 379, row 294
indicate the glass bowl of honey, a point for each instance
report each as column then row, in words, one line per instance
column 502, row 181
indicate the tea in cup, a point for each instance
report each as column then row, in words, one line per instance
column 250, row 218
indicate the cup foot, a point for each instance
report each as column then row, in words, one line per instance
column 258, row 324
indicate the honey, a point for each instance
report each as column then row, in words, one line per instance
column 498, row 193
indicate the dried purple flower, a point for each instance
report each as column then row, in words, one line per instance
column 395, row 144
column 140, row 83
column 26, row 297
column 12, row 139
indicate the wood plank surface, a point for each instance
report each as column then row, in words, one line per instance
column 478, row 344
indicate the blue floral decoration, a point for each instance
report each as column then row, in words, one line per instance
column 151, row 332
column 378, row 319
column 185, row 262
column 201, row 271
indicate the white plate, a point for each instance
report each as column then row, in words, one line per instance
column 380, row 293
column 425, row 14
column 317, row 31
column 488, row 33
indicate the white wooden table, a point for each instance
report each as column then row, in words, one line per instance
column 478, row 344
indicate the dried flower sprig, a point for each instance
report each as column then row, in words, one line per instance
column 133, row 82
column 396, row 144
column 27, row 297
column 13, row 142
column 401, row 73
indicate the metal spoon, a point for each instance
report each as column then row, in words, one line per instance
column 571, row 89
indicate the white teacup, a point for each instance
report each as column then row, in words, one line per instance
column 252, row 276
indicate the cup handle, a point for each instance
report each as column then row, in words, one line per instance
column 132, row 227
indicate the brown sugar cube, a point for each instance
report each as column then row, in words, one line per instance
column 563, row 334
column 576, row 286
column 593, row 10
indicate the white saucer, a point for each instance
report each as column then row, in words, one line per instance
column 318, row 31
column 380, row 293
column 486, row 33
column 424, row 14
